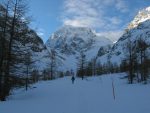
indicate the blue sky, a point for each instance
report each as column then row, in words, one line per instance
column 106, row 17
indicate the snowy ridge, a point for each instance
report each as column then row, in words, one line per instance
column 139, row 28
column 142, row 16
column 41, row 60
column 34, row 52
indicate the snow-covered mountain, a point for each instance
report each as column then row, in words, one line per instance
column 31, row 52
column 21, row 49
column 40, row 54
column 139, row 28
column 142, row 16
column 69, row 41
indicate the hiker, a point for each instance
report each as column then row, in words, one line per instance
column 73, row 79
column 72, row 74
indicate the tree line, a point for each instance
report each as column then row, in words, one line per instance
column 95, row 68
column 17, row 42
column 136, row 63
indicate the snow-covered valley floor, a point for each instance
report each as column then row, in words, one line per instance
column 93, row 95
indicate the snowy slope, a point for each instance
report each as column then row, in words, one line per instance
column 92, row 95
column 32, row 50
column 40, row 54
column 69, row 41
column 41, row 60
column 139, row 28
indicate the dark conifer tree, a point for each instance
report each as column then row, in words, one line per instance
column 81, row 69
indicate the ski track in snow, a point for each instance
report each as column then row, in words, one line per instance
column 92, row 95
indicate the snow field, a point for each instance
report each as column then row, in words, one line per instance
column 92, row 95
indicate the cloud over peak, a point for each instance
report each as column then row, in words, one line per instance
column 92, row 13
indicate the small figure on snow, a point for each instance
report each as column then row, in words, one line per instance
column 73, row 79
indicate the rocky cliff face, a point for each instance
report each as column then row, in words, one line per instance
column 69, row 41
column 29, row 51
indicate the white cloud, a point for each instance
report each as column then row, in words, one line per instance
column 91, row 13
column 121, row 5
column 112, row 35
column 80, row 13
column 77, row 22
column 40, row 32
column 84, row 22
column 95, row 14
column 115, row 20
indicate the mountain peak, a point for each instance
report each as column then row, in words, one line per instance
column 69, row 28
column 69, row 41
column 142, row 16
column 148, row 8
column 68, row 33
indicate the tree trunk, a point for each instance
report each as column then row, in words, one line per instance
column 3, row 60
